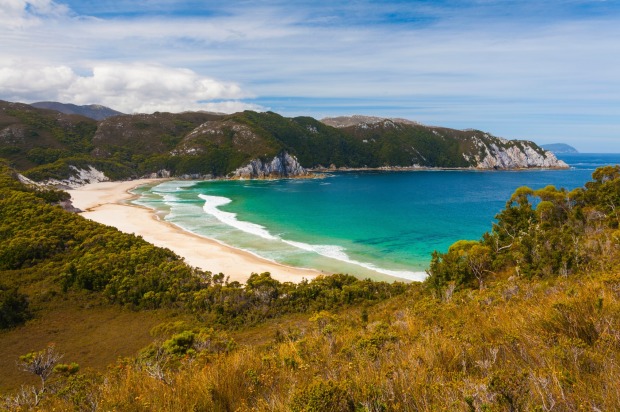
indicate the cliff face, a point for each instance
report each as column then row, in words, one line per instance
column 496, row 153
column 283, row 165
column 516, row 157
column 79, row 177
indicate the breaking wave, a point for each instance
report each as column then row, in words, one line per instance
column 331, row 251
column 230, row 219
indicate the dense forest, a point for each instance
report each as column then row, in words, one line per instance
column 526, row 318
column 45, row 144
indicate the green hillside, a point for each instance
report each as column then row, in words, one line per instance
column 63, row 277
column 44, row 144
column 527, row 318
column 32, row 137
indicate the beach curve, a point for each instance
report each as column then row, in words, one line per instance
column 108, row 203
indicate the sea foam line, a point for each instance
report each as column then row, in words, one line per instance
column 331, row 251
column 338, row 253
column 230, row 219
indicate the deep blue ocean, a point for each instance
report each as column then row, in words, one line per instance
column 382, row 225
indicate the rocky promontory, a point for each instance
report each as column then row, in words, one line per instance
column 282, row 165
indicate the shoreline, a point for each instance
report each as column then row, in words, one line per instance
column 431, row 169
column 107, row 203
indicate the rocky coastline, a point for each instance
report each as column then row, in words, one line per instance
column 286, row 166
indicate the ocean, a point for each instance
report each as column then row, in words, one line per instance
column 378, row 225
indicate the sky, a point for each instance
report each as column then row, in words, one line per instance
column 547, row 71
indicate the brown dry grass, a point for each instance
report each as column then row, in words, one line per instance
column 517, row 345
column 88, row 333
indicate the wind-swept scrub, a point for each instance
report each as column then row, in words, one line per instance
column 540, row 234
column 516, row 345
column 527, row 318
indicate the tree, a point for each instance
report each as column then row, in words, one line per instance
column 13, row 308
column 41, row 364
column 479, row 260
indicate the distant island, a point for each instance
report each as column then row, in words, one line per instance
column 559, row 148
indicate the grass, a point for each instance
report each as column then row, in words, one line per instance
column 88, row 333
column 516, row 345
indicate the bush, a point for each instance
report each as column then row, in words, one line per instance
column 13, row 308
column 321, row 396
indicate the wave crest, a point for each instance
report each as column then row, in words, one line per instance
column 330, row 251
column 211, row 207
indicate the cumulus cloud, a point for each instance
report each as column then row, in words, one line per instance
column 125, row 87
column 21, row 79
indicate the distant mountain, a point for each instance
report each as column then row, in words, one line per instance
column 356, row 119
column 94, row 111
column 559, row 148
column 47, row 145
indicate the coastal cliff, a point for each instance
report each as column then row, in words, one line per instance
column 516, row 157
column 421, row 146
column 497, row 153
column 48, row 146
column 282, row 165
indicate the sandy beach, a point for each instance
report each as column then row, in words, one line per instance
column 107, row 203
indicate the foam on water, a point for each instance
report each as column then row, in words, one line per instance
column 172, row 186
column 331, row 251
column 211, row 207
column 360, row 239
column 338, row 253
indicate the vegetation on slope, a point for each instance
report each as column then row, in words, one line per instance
column 44, row 144
column 541, row 233
column 32, row 137
column 52, row 261
column 518, row 345
column 527, row 318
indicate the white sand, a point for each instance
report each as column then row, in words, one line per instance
column 104, row 203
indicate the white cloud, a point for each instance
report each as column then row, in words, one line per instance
column 461, row 68
column 21, row 79
column 125, row 87
column 26, row 13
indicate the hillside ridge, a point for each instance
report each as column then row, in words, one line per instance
column 47, row 145
column 93, row 111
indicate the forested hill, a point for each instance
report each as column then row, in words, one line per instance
column 97, row 292
column 45, row 144
column 526, row 318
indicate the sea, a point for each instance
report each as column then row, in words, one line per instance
column 371, row 224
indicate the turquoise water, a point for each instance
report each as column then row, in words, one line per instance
column 382, row 225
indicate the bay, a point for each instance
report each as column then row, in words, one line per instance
column 381, row 225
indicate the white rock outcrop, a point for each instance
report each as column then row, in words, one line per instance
column 80, row 177
column 516, row 157
column 282, row 165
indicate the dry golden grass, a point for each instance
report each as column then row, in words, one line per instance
column 90, row 334
column 517, row 345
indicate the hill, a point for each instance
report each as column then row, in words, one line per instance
column 97, row 292
column 559, row 148
column 93, row 111
column 356, row 119
column 70, row 149
column 524, row 319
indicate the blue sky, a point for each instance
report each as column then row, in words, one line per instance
column 547, row 71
